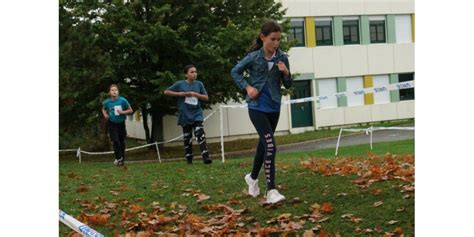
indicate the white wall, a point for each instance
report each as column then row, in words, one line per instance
column 365, row 113
column 299, row 8
column 403, row 29
column 353, row 60
column 380, row 81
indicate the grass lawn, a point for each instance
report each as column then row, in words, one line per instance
column 129, row 197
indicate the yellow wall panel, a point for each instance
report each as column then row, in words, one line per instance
column 310, row 32
column 369, row 82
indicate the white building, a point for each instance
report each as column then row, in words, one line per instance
column 343, row 45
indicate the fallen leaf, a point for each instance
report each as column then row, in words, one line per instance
column 72, row 175
column 326, row 207
column 308, row 233
column 376, row 192
column 377, row 204
column 391, row 222
column 202, row 197
column 323, row 234
column 398, row 231
column 82, row 188
column 135, row 208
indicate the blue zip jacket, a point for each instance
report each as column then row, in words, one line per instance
column 259, row 74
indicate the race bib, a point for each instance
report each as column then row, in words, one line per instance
column 191, row 100
column 117, row 108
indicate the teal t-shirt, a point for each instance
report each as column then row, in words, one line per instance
column 189, row 107
column 111, row 107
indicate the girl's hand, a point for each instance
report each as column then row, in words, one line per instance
column 252, row 92
column 282, row 67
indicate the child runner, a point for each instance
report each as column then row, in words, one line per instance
column 268, row 68
column 114, row 110
column 189, row 92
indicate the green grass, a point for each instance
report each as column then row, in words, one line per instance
column 230, row 146
column 165, row 183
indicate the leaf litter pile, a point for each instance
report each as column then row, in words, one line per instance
column 174, row 219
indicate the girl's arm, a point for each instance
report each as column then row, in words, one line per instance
column 104, row 112
column 284, row 67
column 199, row 96
column 173, row 93
column 127, row 111
column 237, row 72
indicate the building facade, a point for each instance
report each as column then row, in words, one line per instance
column 341, row 45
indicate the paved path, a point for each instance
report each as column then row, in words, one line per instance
column 348, row 140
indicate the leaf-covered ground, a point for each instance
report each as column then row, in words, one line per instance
column 360, row 193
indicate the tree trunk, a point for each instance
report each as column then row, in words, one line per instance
column 103, row 135
column 157, row 127
column 145, row 125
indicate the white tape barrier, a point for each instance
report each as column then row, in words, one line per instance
column 79, row 151
column 78, row 226
column 391, row 87
column 368, row 131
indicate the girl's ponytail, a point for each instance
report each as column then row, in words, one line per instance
column 267, row 28
column 256, row 45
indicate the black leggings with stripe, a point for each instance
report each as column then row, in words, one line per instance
column 265, row 124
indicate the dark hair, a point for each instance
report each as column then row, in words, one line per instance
column 267, row 28
column 113, row 85
column 186, row 69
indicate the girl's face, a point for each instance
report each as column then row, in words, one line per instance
column 191, row 74
column 113, row 91
column 271, row 42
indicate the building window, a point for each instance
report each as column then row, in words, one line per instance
column 407, row 94
column 377, row 29
column 382, row 96
column 354, row 84
column 297, row 32
column 327, row 87
column 323, row 31
column 403, row 29
column 350, row 29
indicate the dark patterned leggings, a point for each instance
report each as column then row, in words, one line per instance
column 188, row 140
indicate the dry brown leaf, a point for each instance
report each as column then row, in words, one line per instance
column 376, row 192
column 398, row 231
column 326, row 207
column 308, row 233
column 323, row 234
column 82, row 188
column 135, row 208
column 72, row 175
column 202, row 197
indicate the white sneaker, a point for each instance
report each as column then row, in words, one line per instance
column 273, row 196
column 119, row 161
column 254, row 190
